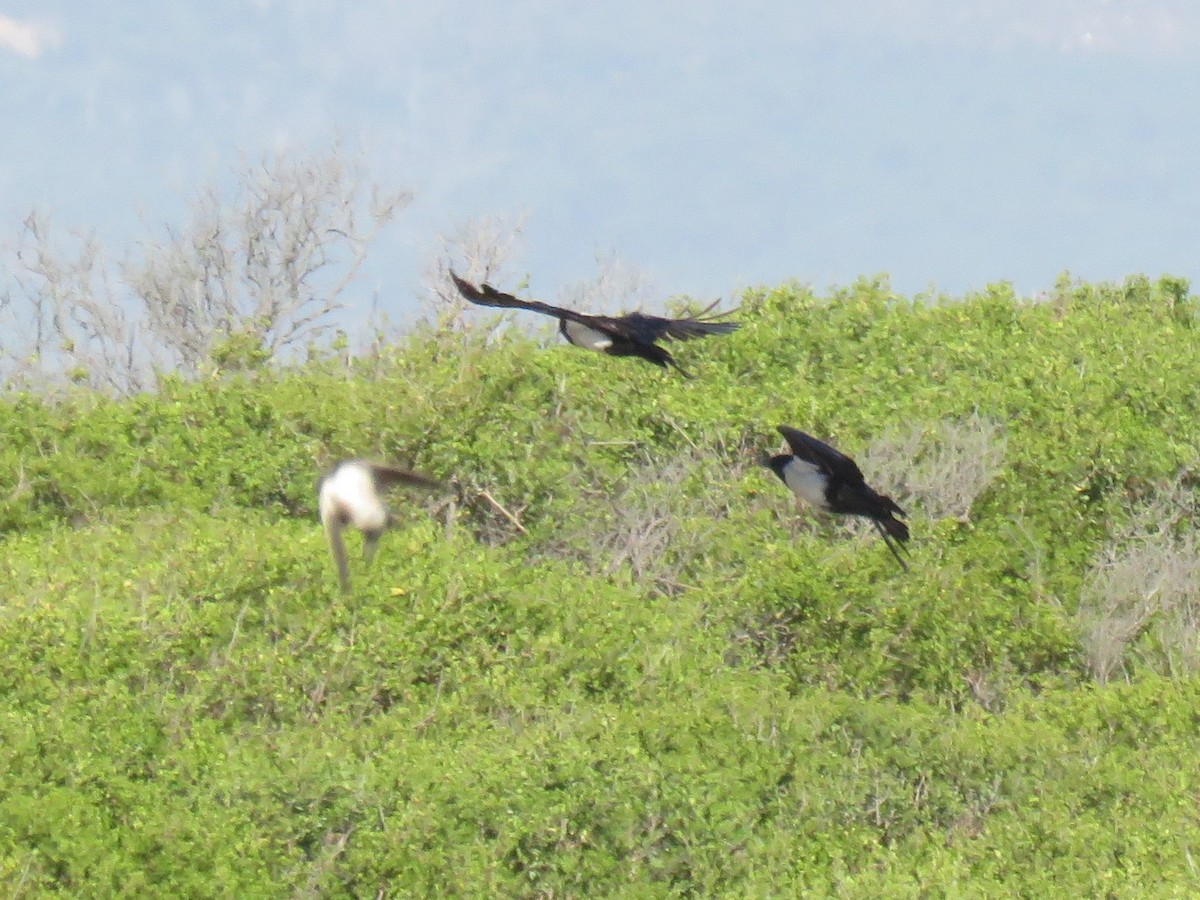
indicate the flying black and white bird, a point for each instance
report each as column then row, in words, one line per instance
column 633, row 334
column 352, row 496
column 830, row 480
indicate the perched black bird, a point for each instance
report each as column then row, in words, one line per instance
column 633, row 334
column 830, row 480
column 352, row 495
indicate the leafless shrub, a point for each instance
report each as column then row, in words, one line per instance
column 648, row 528
column 643, row 527
column 1142, row 595
column 479, row 250
column 243, row 282
column 271, row 265
column 617, row 286
column 61, row 318
column 941, row 467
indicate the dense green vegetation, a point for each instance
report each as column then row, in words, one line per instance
column 666, row 681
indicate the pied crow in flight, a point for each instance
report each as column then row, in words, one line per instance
column 633, row 334
column 830, row 480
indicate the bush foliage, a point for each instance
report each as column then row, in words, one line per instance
column 614, row 659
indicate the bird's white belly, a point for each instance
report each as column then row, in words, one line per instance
column 806, row 481
column 582, row 336
column 352, row 489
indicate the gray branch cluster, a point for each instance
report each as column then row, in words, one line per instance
column 1141, row 598
column 246, row 280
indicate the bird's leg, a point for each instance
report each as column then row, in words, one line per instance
column 333, row 530
column 370, row 545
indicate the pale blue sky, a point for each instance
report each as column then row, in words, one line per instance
column 714, row 145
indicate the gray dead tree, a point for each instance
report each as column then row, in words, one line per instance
column 265, row 272
column 244, row 281
column 61, row 320
column 478, row 250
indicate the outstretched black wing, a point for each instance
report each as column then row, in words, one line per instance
column 486, row 295
column 832, row 462
column 636, row 326
column 388, row 476
column 653, row 328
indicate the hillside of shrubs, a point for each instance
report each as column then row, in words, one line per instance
column 612, row 657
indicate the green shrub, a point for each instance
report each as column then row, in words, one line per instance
column 613, row 658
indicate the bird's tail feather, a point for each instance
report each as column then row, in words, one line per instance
column 895, row 528
column 894, row 534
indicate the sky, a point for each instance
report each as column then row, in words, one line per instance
column 713, row 146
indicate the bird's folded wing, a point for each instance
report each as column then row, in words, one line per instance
column 817, row 452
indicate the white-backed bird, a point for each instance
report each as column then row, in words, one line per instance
column 351, row 495
column 633, row 334
column 830, row 480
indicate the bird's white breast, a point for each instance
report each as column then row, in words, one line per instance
column 582, row 336
column 352, row 489
column 806, row 481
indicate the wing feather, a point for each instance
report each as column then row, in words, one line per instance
column 486, row 295
column 832, row 462
column 653, row 328
column 634, row 326
column 387, row 476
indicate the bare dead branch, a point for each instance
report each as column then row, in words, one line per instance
column 479, row 250
column 1146, row 581
column 272, row 263
column 499, row 507
column 941, row 467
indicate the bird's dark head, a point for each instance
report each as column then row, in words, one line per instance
column 777, row 463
